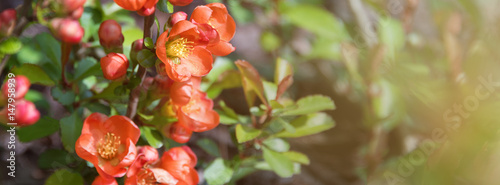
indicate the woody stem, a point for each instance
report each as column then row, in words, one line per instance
column 141, row 73
column 65, row 52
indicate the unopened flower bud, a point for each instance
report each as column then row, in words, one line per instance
column 110, row 36
column 147, row 154
column 25, row 113
column 114, row 66
column 176, row 17
column 20, row 86
column 180, row 2
column 71, row 5
column 67, row 30
column 137, row 46
column 179, row 133
column 7, row 21
column 77, row 13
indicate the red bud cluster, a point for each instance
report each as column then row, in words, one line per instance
column 66, row 26
column 23, row 112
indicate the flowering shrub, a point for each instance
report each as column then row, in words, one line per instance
column 130, row 100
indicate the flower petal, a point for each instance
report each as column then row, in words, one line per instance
column 201, row 14
column 85, row 148
column 222, row 48
column 123, row 127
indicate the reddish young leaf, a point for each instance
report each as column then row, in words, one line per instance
column 251, row 81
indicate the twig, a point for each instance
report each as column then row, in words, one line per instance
column 141, row 73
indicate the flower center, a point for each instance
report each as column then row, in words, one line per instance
column 146, row 177
column 178, row 48
column 108, row 146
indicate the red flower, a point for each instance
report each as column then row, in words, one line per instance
column 114, row 66
column 148, row 8
column 145, row 155
column 103, row 181
column 152, row 176
column 198, row 114
column 176, row 17
column 21, row 87
column 194, row 110
column 180, row 162
column 108, row 143
column 216, row 15
column 180, row 2
column 132, row 5
column 182, row 53
column 181, row 92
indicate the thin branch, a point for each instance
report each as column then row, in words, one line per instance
column 141, row 73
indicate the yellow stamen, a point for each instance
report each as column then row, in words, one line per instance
column 108, row 146
column 179, row 48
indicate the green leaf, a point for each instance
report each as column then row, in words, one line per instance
column 34, row 73
column 309, row 124
column 227, row 80
column 315, row 19
column 245, row 133
column 64, row 176
column 148, row 42
column 252, row 84
column 311, row 104
column 170, row 7
column 297, row 157
column 227, row 115
column 10, row 46
column 209, row 146
column 283, row 69
column 277, row 144
column 152, row 136
column 162, row 5
column 280, row 164
column 54, row 158
column 63, row 97
column 146, row 58
column 269, row 41
column 218, row 172
column 44, row 127
column 270, row 90
column 71, row 128
column 392, row 35
column 51, row 48
column 239, row 12
column 220, row 66
column 109, row 92
column 91, row 20
column 87, row 67
column 131, row 34
column 288, row 127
